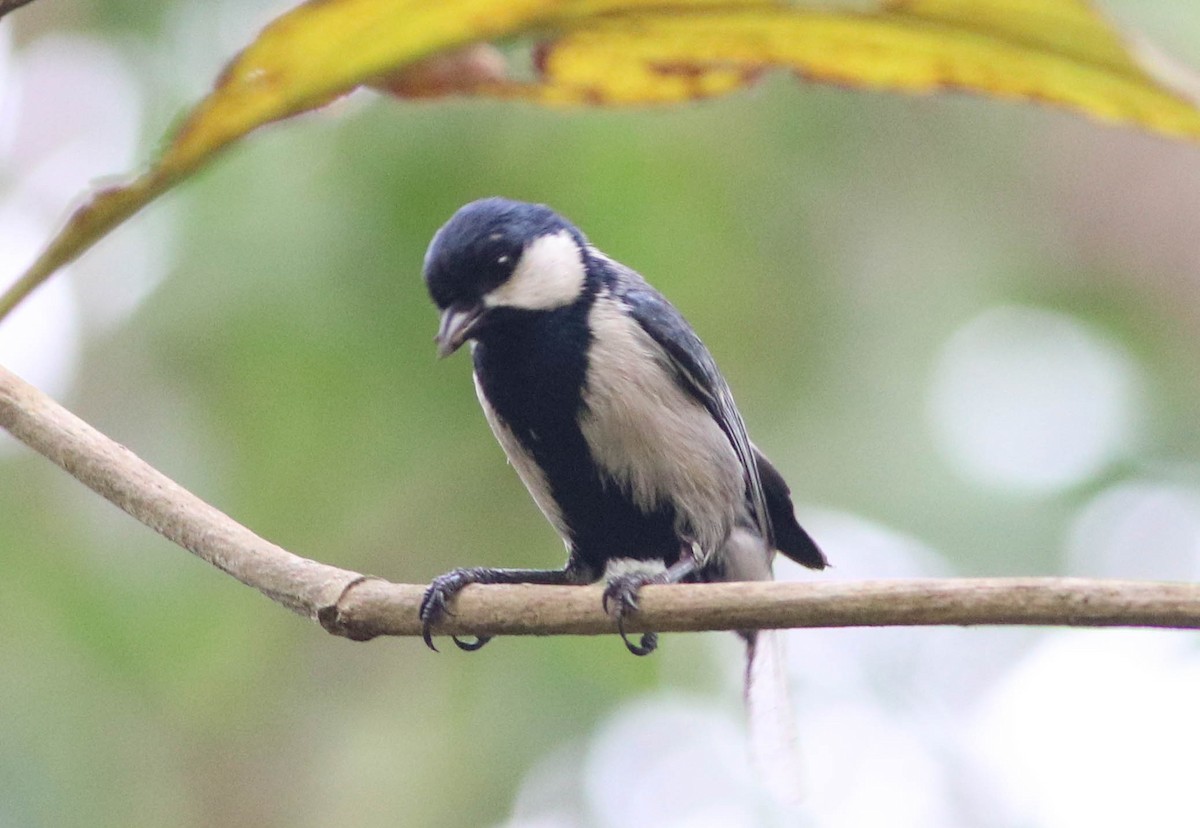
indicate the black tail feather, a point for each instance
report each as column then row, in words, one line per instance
column 790, row 537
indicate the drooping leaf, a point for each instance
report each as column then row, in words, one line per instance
column 300, row 61
column 623, row 52
column 1050, row 51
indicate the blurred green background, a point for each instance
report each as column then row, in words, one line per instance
column 966, row 332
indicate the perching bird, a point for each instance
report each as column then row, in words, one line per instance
column 620, row 426
column 611, row 410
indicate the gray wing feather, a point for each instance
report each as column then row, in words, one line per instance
column 697, row 373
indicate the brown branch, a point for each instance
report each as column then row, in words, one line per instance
column 361, row 607
column 121, row 477
column 377, row 607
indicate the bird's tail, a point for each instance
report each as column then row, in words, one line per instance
column 772, row 724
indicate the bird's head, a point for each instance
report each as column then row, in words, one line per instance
column 495, row 253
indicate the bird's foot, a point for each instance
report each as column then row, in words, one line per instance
column 434, row 607
column 621, row 592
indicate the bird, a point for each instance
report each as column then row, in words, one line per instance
column 612, row 412
column 614, row 415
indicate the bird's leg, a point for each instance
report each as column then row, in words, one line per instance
column 444, row 587
column 622, row 591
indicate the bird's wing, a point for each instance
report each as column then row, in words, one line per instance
column 696, row 372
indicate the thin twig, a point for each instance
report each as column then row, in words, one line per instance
column 361, row 607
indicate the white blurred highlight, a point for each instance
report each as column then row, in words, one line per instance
column 1097, row 729
column 875, row 769
column 39, row 341
column 670, row 763
column 70, row 114
column 78, row 119
column 8, row 100
column 1031, row 400
column 1140, row 529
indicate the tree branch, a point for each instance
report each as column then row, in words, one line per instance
column 121, row 477
column 361, row 607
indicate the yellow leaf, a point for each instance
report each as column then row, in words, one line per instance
column 1051, row 51
column 646, row 52
column 1070, row 27
column 303, row 59
column 104, row 210
column 325, row 48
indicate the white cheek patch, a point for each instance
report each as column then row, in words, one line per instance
column 549, row 274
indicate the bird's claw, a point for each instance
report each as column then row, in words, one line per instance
column 434, row 607
column 621, row 592
column 470, row 646
column 647, row 644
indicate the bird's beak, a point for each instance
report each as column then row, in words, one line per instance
column 458, row 323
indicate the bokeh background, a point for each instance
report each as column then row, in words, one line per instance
column 966, row 331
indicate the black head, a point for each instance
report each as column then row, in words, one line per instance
column 500, row 253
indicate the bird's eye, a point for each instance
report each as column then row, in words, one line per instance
column 502, row 260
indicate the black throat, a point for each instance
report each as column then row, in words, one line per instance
column 532, row 368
